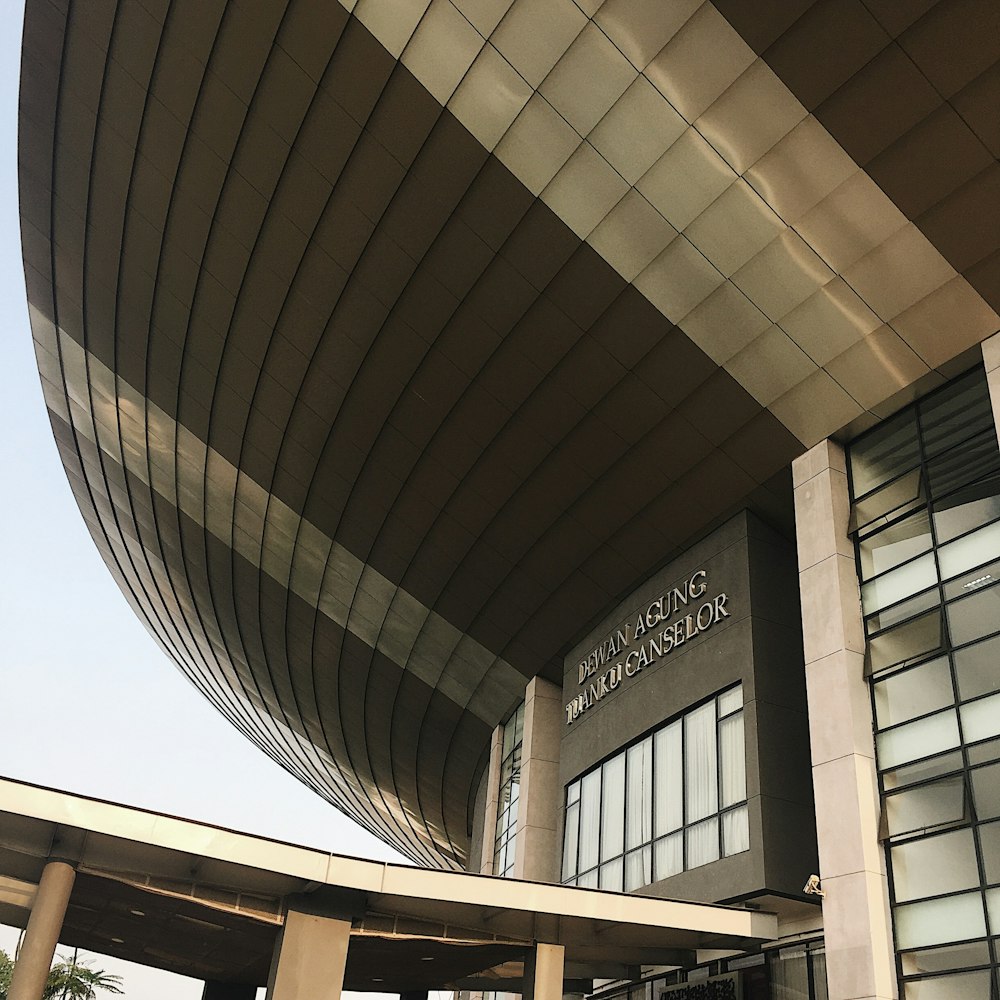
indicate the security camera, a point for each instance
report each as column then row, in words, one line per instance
column 811, row 888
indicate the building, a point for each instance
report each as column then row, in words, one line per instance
column 497, row 409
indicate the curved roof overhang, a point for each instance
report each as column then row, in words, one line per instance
column 387, row 344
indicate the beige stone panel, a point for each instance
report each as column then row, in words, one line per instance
column 679, row 280
column 637, row 131
column 543, row 713
column 801, row 170
column 854, row 918
column 392, row 24
column 641, row 28
column 540, row 801
column 632, row 235
column 825, row 455
column 725, row 323
column 850, row 222
column 830, row 321
column 830, row 608
column 485, row 15
column 492, row 801
column 950, row 320
column 310, row 958
column 816, row 408
column 538, row 144
column 585, row 190
column 684, row 74
column 534, row 34
column 840, row 714
column 769, row 366
column 442, row 49
column 543, row 973
column 490, row 97
column 876, row 368
column 756, row 111
column 822, row 511
column 991, row 359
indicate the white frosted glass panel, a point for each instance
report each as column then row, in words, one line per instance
column 702, row 843
column 590, row 819
column 638, row 868
column 639, row 800
column 611, row 875
column 891, row 546
column 904, row 696
column 736, row 831
column 613, row 808
column 965, row 986
column 701, row 790
column 669, row 792
column 573, row 793
column 926, row 807
column 981, row 719
column 730, row 701
column 588, row 881
column 993, row 909
column 979, row 547
column 918, row 739
column 571, row 839
column 733, row 760
column 909, row 579
column 937, row 921
column 934, row 866
column 669, row 856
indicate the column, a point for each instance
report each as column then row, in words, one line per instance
column 536, row 854
column 413, row 995
column 42, row 934
column 543, row 973
column 991, row 361
column 309, row 958
column 857, row 928
column 492, row 802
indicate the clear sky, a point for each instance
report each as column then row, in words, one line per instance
column 89, row 702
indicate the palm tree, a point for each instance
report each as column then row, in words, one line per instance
column 68, row 979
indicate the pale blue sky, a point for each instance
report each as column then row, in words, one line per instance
column 90, row 703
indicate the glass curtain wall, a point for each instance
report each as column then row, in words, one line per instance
column 675, row 800
column 926, row 522
column 510, row 784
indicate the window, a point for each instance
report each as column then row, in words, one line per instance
column 675, row 800
column 510, row 784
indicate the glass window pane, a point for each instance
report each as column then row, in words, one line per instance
column 955, row 956
column 960, row 409
column 590, row 819
column 736, row 831
column 733, row 761
column 571, row 839
column 981, row 719
column 911, row 774
column 974, row 579
column 894, row 545
column 639, row 802
column 888, row 504
column 888, row 617
column 885, row 453
column 702, row 843
column 975, row 616
column 731, row 700
column 976, row 668
column 973, row 459
column 790, row 974
column 589, row 880
column 638, row 868
column 986, row 791
column 701, row 791
column 927, row 807
column 611, row 875
column 935, row 921
column 669, row 856
column 573, row 792
column 967, row 986
column 935, row 865
column 989, row 845
column 913, row 692
column 669, row 796
column 971, row 550
column 918, row 739
column 967, row 509
column 906, row 643
column 903, row 582
column 613, row 808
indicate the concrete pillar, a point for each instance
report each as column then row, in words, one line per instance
column 214, row 990
column 536, row 853
column 413, row 995
column 492, row 802
column 857, row 927
column 42, row 934
column 309, row 958
column 991, row 361
column 543, row 973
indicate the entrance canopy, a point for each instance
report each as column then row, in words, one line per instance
column 209, row 903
